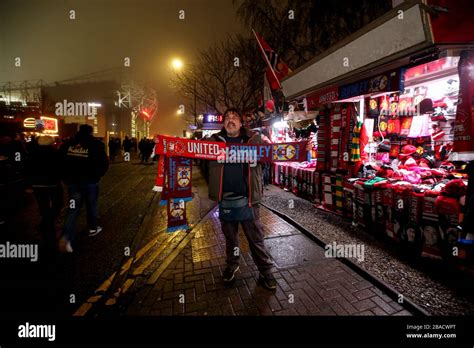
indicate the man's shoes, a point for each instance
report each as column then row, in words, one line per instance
column 95, row 232
column 268, row 281
column 229, row 273
column 65, row 246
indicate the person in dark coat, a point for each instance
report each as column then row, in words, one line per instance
column 43, row 175
column 112, row 149
column 84, row 163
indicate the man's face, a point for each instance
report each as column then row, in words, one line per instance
column 232, row 124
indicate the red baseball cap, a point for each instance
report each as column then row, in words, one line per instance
column 407, row 150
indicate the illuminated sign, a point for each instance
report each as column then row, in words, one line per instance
column 389, row 81
column 29, row 122
column 50, row 125
column 318, row 98
column 208, row 118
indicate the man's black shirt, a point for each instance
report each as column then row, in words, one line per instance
column 235, row 174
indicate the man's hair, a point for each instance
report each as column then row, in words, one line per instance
column 234, row 111
column 85, row 129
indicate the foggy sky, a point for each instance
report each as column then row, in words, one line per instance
column 53, row 47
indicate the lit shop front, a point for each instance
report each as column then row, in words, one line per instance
column 394, row 142
column 211, row 124
column 40, row 126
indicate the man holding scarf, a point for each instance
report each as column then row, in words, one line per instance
column 238, row 189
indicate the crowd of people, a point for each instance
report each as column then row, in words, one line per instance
column 45, row 166
column 145, row 146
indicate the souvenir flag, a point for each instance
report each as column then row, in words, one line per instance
column 276, row 68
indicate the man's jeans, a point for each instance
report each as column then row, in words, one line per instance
column 50, row 202
column 77, row 194
column 254, row 232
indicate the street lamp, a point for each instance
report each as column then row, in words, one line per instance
column 177, row 65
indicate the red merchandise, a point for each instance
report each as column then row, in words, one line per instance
column 464, row 128
column 405, row 126
column 407, row 150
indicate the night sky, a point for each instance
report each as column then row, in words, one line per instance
column 53, row 47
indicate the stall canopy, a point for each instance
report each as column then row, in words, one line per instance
column 408, row 33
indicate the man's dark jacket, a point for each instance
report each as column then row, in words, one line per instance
column 254, row 177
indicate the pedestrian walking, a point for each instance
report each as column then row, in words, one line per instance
column 142, row 147
column 238, row 189
column 150, row 145
column 43, row 175
column 127, row 145
column 112, row 149
column 84, row 163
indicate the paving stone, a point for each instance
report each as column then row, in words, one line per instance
column 318, row 285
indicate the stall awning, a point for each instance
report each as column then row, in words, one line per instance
column 401, row 32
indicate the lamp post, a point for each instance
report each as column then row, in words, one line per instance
column 195, row 111
column 177, row 65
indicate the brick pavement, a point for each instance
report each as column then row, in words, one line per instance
column 308, row 282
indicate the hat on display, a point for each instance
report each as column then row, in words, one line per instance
column 429, row 158
column 455, row 188
column 407, row 150
column 384, row 146
column 447, row 166
column 437, row 135
column 440, row 104
column 385, row 171
column 439, row 116
column 426, row 106
column 410, row 162
column 412, row 178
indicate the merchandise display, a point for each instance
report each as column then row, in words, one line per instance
column 385, row 160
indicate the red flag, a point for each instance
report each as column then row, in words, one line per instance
column 277, row 68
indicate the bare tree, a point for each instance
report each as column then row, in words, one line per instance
column 299, row 30
column 228, row 74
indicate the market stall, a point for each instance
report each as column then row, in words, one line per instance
column 394, row 137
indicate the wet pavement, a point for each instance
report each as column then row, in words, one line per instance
column 134, row 267
column 58, row 284
column 185, row 278
column 432, row 285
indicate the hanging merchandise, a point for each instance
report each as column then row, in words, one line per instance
column 384, row 105
column 393, row 105
column 381, row 126
column 393, row 126
column 305, row 132
column 355, row 152
column 426, row 106
column 373, row 108
column 400, row 180
column 464, row 128
column 420, row 126
column 405, row 105
column 405, row 125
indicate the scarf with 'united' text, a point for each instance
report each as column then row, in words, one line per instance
column 174, row 172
